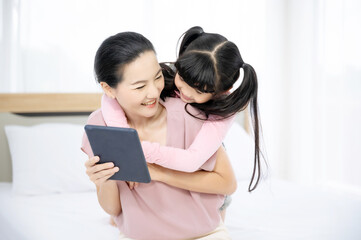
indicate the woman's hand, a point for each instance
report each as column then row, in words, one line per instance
column 99, row 173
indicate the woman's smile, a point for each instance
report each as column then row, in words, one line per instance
column 150, row 104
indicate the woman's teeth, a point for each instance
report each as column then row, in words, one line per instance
column 148, row 103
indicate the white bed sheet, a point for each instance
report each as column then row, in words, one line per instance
column 277, row 210
column 55, row 216
column 282, row 210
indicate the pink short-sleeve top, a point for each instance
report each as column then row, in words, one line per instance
column 157, row 210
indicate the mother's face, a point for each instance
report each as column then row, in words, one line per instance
column 139, row 92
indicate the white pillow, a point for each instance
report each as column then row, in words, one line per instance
column 240, row 150
column 46, row 158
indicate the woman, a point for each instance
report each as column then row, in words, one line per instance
column 128, row 71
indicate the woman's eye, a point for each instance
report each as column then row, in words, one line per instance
column 159, row 77
column 140, row 87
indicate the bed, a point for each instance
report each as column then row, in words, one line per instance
column 66, row 206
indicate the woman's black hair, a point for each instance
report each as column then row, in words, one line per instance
column 119, row 50
column 211, row 63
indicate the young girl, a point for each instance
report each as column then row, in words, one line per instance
column 207, row 68
column 186, row 208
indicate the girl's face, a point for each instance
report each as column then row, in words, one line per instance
column 139, row 92
column 189, row 94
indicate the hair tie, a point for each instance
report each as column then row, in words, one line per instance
column 243, row 65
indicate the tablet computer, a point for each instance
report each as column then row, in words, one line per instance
column 122, row 147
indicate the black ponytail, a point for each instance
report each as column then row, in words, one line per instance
column 188, row 37
column 252, row 89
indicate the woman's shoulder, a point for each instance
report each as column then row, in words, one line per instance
column 96, row 118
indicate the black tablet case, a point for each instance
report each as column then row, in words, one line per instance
column 122, row 147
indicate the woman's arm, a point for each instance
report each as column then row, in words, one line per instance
column 186, row 160
column 107, row 190
column 220, row 181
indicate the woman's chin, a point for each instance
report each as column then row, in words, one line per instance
column 150, row 110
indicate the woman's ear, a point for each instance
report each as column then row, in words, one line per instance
column 109, row 91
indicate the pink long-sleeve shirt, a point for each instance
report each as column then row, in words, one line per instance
column 206, row 143
column 157, row 210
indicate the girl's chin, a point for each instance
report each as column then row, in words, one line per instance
column 186, row 100
column 183, row 98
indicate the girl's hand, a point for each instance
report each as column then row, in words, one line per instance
column 156, row 172
column 99, row 173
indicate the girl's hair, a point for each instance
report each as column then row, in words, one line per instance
column 116, row 52
column 211, row 64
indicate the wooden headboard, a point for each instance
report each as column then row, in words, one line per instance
column 49, row 102
column 32, row 109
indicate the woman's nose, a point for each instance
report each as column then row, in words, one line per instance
column 153, row 91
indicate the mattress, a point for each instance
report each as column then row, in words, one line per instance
column 277, row 210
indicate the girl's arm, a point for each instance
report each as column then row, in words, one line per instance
column 185, row 160
column 220, row 181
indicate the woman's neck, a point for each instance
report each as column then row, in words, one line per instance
column 143, row 122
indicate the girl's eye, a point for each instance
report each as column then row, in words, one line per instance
column 159, row 77
column 199, row 92
column 140, row 87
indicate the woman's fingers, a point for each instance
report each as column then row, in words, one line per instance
column 99, row 173
column 91, row 161
column 102, row 166
column 103, row 179
column 104, row 173
column 92, row 169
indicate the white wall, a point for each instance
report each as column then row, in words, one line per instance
column 53, row 46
